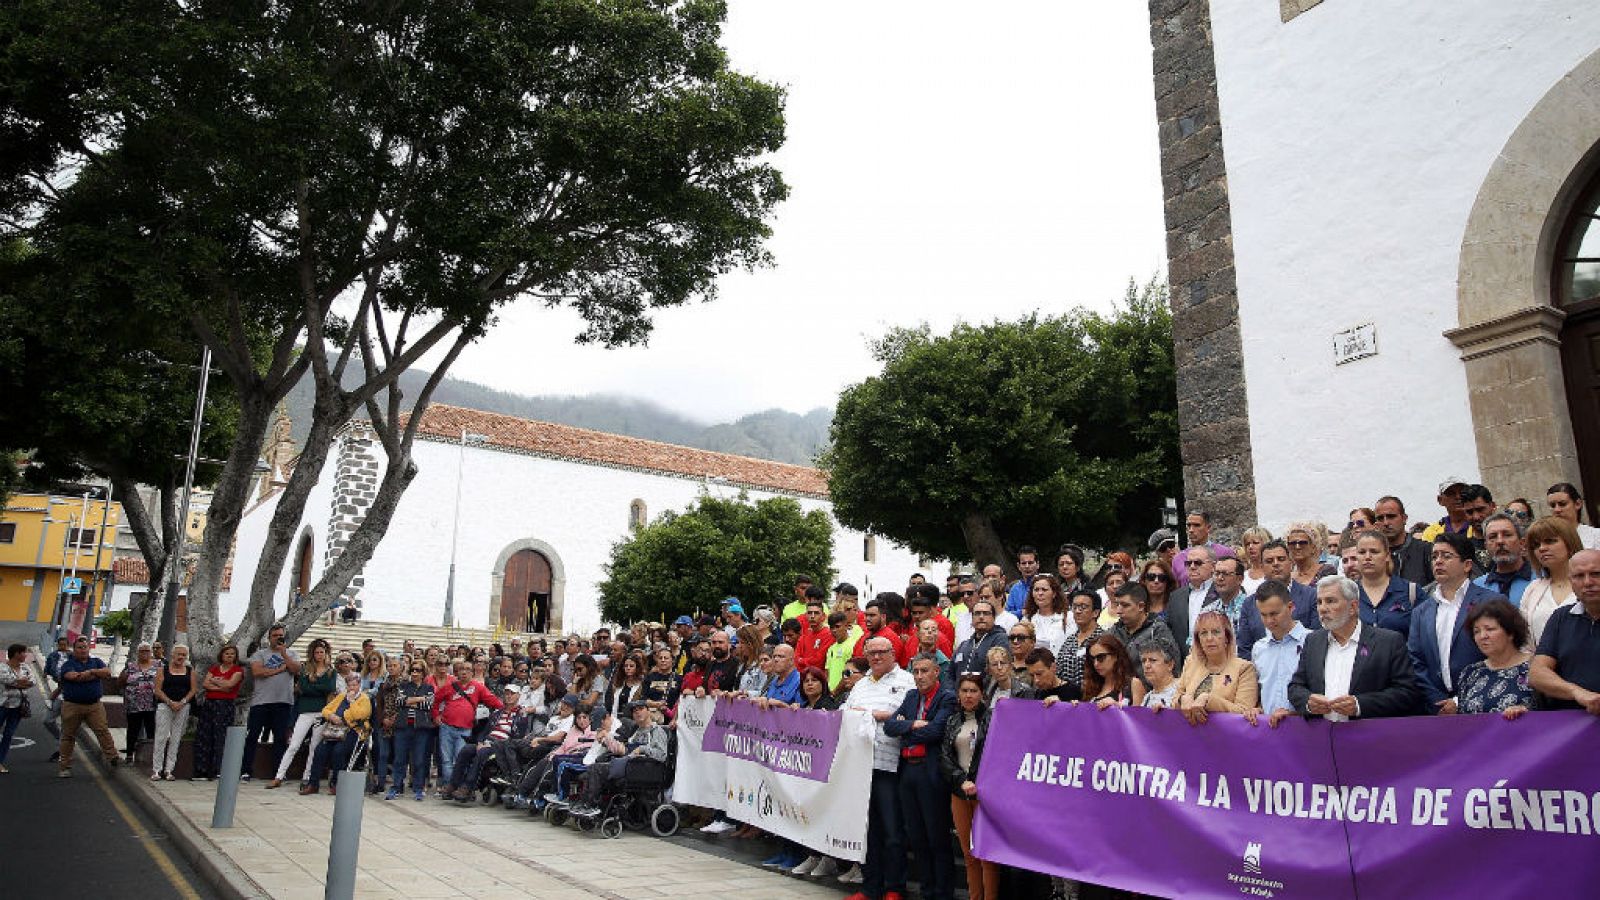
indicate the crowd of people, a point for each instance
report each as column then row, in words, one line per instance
column 1487, row 610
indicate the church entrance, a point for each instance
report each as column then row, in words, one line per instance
column 525, row 593
column 1578, row 295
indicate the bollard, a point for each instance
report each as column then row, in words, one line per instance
column 346, row 841
column 228, row 779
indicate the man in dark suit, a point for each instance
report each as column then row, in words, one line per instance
column 1439, row 647
column 1348, row 670
column 1185, row 604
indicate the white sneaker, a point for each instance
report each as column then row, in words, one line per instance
column 852, row 875
column 826, row 867
column 806, row 866
column 718, row 826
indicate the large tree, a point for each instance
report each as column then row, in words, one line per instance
column 310, row 188
column 996, row 436
column 688, row 561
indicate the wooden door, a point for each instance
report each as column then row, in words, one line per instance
column 1580, row 358
column 527, row 576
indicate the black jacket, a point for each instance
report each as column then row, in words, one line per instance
column 954, row 775
column 1382, row 680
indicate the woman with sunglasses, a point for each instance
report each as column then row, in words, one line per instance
column 1305, row 551
column 1157, row 580
column 1085, row 608
column 1521, row 510
column 413, row 728
column 1250, row 544
column 1108, row 680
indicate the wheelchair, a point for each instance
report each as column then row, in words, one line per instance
column 638, row 801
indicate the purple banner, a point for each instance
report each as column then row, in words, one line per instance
column 1389, row 808
column 790, row 742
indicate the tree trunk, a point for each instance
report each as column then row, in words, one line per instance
column 228, row 500
column 326, row 419
column 358, row 550
column 985, row 546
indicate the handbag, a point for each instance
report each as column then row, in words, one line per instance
column 26, row 709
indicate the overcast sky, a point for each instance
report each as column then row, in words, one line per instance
column 946, row 161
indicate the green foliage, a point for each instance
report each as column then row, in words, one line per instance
column 117, row 623
column 1058, row 428
column 688, row 561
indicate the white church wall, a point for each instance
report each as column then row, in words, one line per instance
column 1357, row 136
column 579, row 509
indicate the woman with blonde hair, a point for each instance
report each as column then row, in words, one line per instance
column 1551, row 543
column 1214, row 678
column 1250, row 544
column 174, row 689
column 1305, row 541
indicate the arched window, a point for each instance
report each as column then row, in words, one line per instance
column 869, row 549
column 1578, row 263
column 638, row 514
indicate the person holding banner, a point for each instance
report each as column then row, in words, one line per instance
column 958, row 762
column 1215, row 679
column 1350, row 670
column 880, row 692
column 1108, row 681
column 920, row 723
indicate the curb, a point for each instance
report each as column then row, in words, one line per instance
column 208, row 860
column 215, row 866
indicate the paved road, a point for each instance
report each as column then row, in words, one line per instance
column 77, row 835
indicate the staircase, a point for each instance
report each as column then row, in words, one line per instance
column 391, row 636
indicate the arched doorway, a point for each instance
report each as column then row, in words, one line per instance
column 1527, row 340
column 525, row 592
column 528, row 588
column 300, row 573
column 1577, row 293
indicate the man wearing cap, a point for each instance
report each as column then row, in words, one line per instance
column 1164, row 541
column 684, row 626
column 1198, row 524
column 733, row 616
column 521, row 753
column 508, row 724
column 1455, row 519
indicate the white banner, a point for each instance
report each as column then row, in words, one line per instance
column 800, row 774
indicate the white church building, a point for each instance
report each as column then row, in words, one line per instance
column 540, row 506
column 1383, row 249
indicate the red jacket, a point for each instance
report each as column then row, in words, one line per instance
column 813, row 648
column 903, row 649
column 455, row 705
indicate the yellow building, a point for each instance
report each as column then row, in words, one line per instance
column 46, row 539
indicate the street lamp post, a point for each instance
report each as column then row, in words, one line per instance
column 169, row 605
column 455, row 525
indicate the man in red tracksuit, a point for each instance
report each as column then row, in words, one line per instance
column 878, row 626
column 815, row 638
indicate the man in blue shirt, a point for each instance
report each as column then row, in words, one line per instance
column 783, row 682
column 83, row 680
column 1509, row 573
column 1028, row 565
column 1277, row 654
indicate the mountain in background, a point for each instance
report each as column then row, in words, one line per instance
column 774, row 434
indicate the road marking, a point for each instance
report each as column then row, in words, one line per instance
column 162, row 861
column 18, row 743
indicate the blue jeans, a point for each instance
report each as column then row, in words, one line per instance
column 9, row 720
column 277, row 716
column 338, row 753
column 451, row 740
column 411, row 748
column 381, row 752
column 885, row 867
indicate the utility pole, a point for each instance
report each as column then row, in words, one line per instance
column 455, row 527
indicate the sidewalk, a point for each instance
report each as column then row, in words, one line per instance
column 436, row 850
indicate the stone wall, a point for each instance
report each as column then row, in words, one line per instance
column 1212, row 409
